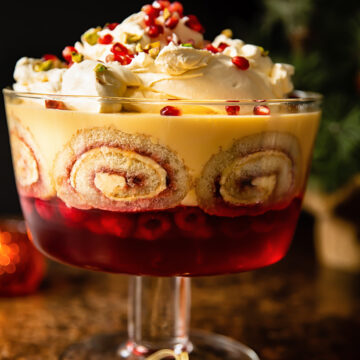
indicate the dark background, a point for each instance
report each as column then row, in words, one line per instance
column 320, row 37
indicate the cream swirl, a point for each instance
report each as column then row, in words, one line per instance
column 157, row 56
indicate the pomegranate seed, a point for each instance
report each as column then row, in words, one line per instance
column 112, row 26
column 211, row 48
column 154, row 30
column 110, row 58
column 222, row 46
column 151, row 11
column 171, row 22
column 161, row 4
column 170, row 111
column 232, row 109
column 67, row 53
column 119, row 49
column 194, row 24
column 54, row 104
column 149, row 20
column 118, row 225
column 124, row 60
column 240, row 62
column 106, row 39
column 50, row 57
column 177, row 7
column 152, row 226
column 45, row 209
column 261, row 110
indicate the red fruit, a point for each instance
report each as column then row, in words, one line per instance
column 152, row 226
column 106, row 39
column 261, row 110
column 154, row 30
column 50, row 57
column 54, row 104
column 110, row 58
column 117, row 224
column 192, row 220
column 235, row 228
column 151, row 11
column 240, row 62
column 211, row 48
column 161, row 4
column 171, row 22
column 232, row 109
column 71, row 214
column 67, row 53
column 119, row 49
column 112, row 26
column 45, row 209
column 222, row 46
column 95, row 226
column 170, row 111
column 177, row 7
column 189, row 218
column 194, row 24
column 149, row 20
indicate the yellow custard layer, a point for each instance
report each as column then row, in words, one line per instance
column 194, row 138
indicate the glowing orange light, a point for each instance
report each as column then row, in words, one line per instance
column 9, row 254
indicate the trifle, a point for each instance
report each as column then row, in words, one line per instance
column 148, row 150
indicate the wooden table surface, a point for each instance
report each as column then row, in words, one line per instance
column 294, row 310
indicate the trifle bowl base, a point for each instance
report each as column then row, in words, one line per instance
column 203, row 346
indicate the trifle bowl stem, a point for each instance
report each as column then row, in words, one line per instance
column 158, row 327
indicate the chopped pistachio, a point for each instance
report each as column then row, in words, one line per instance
column 155, row 44
column 99, row 68
column 77, row 57
column 132, row 38
column 92, row 36
column 166, row 14
column 44, row 66
column 154, row 52
column 187, row 45
column 228, row 33
column 139, row 48
column 263, row 51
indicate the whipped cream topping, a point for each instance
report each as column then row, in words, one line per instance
column 156, row 56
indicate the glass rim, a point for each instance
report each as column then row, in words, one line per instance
column 300, row 98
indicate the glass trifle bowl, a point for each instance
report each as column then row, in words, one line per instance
column 162, row 198
column 152, row 152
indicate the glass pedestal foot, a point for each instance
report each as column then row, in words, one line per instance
column 205, row 346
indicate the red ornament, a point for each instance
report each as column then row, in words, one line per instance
column 240, row 62
column 22, row 267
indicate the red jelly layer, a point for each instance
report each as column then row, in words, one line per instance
column 184, row 241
